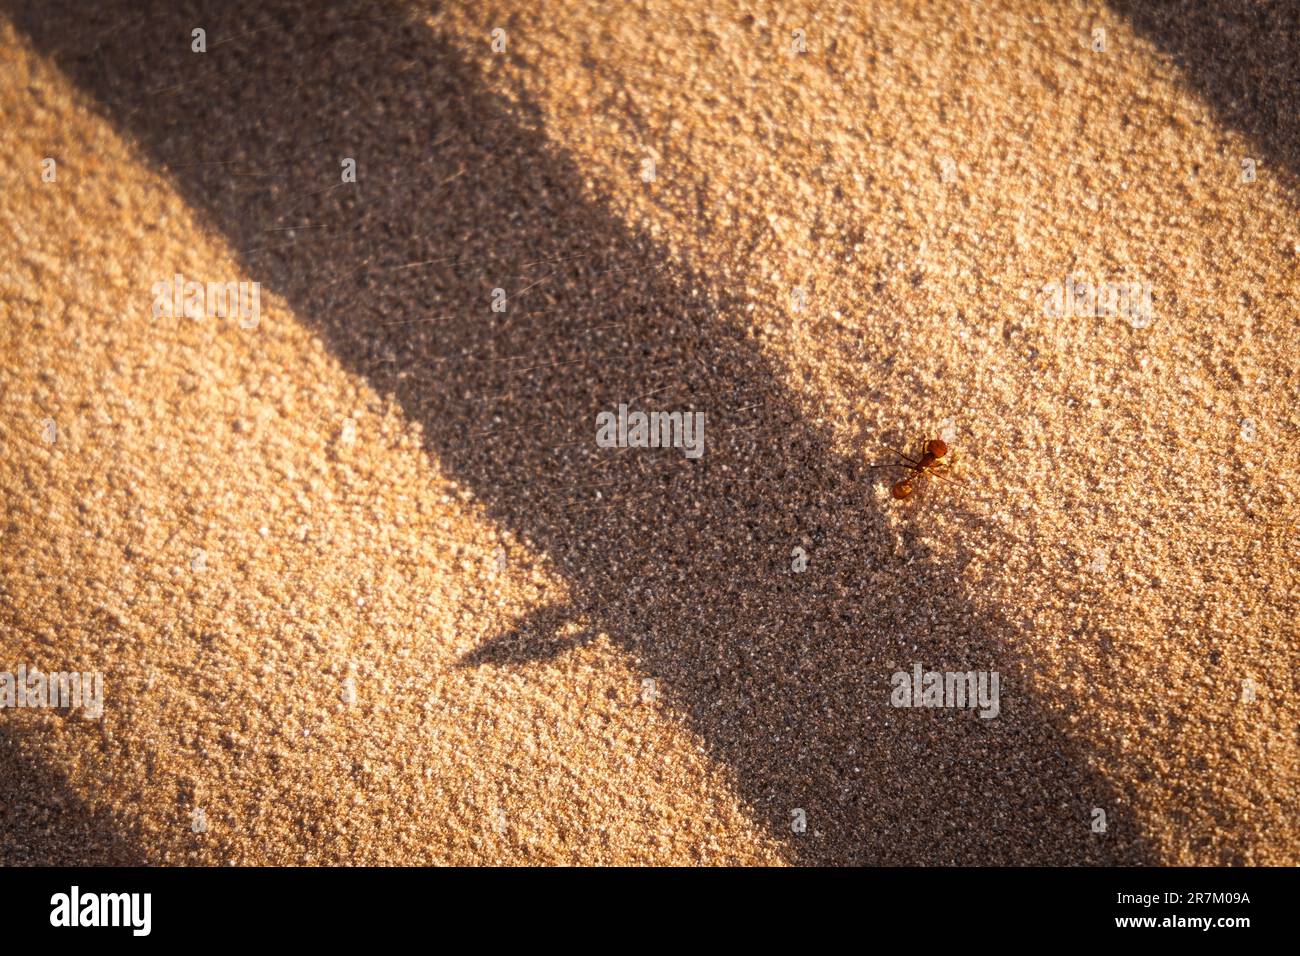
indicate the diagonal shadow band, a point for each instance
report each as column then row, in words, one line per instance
column 44, row 822
column 683, row 563
column 1241, row 58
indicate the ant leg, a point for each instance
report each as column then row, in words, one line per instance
column 914, row 462
column 943, row 474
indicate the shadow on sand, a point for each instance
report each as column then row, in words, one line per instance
column 1241, row 58
column 44, row 822
column 684, row 564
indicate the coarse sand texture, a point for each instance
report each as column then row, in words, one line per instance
column 362, row 583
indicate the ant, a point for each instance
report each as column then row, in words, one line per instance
column 925, row 465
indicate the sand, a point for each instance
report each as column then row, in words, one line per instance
column 362, row 585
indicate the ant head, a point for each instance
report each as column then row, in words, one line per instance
column 901, row 489
column 937, row 448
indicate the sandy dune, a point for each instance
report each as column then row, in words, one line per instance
column 362, row 585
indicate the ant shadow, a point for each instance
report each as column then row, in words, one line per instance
column 685, row 564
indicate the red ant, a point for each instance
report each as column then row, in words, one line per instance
column 925, row 465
